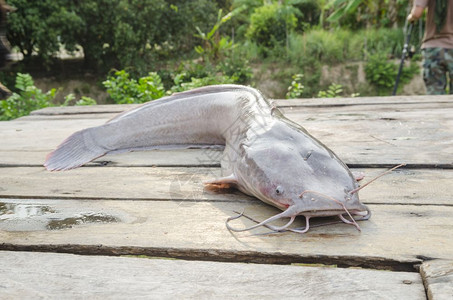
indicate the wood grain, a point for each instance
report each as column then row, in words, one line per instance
column 66, row 276
column 438, row 278
column 394, row 238
column 415, row 187
column 153, row 203
column 419, row 137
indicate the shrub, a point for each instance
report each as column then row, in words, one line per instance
column 123, row 90
column 270, row 24
column 27, row 99
column 84, row 100
column 336, row 46
column 296, row 89
column 333, row 91
column 382, row 73
column 382, row 40
column 236, row 67
column 181, row 83
column 326, row 46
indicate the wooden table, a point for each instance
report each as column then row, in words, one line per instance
column 61, row 232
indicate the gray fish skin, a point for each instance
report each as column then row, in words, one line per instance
column 266, row 155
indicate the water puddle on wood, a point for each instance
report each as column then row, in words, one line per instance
column 35, row 215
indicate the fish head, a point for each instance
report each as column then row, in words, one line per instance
column 288, row 168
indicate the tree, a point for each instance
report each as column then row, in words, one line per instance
column 41, row 27
column 372, row 13
column 112, row 33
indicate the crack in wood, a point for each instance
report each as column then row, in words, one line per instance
column 109, row 164
column 376, row 263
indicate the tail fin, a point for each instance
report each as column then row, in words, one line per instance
column 77, row 150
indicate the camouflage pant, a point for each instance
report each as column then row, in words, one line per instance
column 437, row 63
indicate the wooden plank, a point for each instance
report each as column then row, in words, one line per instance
column 363, row 101
column 357, row 111
column 75, row 117
column 328, row 102
column 399, row 187
column 368, row 138
column 394, row 238
column 438, row 278
column 40, row 135
column 113, row 183
column 307, row 106
column 390, row 137
column 73, row 276
column 311, row 111
column 368, row 158
column 167, row 158
column 83, row 109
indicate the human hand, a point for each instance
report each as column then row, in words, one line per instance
column 411, row 18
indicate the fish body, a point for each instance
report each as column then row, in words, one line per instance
column 265, row 154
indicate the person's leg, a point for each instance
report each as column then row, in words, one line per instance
column 449, row 63
column 434, row 73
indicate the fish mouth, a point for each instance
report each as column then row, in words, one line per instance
column 333, row 212
column 292, row 211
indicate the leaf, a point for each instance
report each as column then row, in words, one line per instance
column 336, row 15
column 352, row 5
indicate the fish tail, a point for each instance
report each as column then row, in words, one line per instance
column 77, row 150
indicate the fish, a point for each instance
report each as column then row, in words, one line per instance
column 265, row 154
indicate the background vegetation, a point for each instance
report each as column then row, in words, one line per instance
column 140, row 50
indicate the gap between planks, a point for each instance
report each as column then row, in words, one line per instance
column 256, row 257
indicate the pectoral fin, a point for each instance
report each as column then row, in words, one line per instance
column 222, row 182
column 358, row 175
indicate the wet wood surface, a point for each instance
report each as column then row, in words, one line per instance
column 153, row 203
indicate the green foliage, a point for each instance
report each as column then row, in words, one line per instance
column 333, row 91
column 169, row 35
column 40, row 26
column 270, row 24
column 220, row 64
column 343, row 7
column 296, row 89
column 120, row 33
column 27, row 99
column 382, row 73
column 236, row 67
column 179, row 22
column 317, row 46
column 326, row 46
column 84, row 100
column 182, row 85
column 215, row 45
column 355, row 14
column 112, row 33
column 123, row 90
column 68, row 99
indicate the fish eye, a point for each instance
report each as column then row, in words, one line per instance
column 279, row 190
